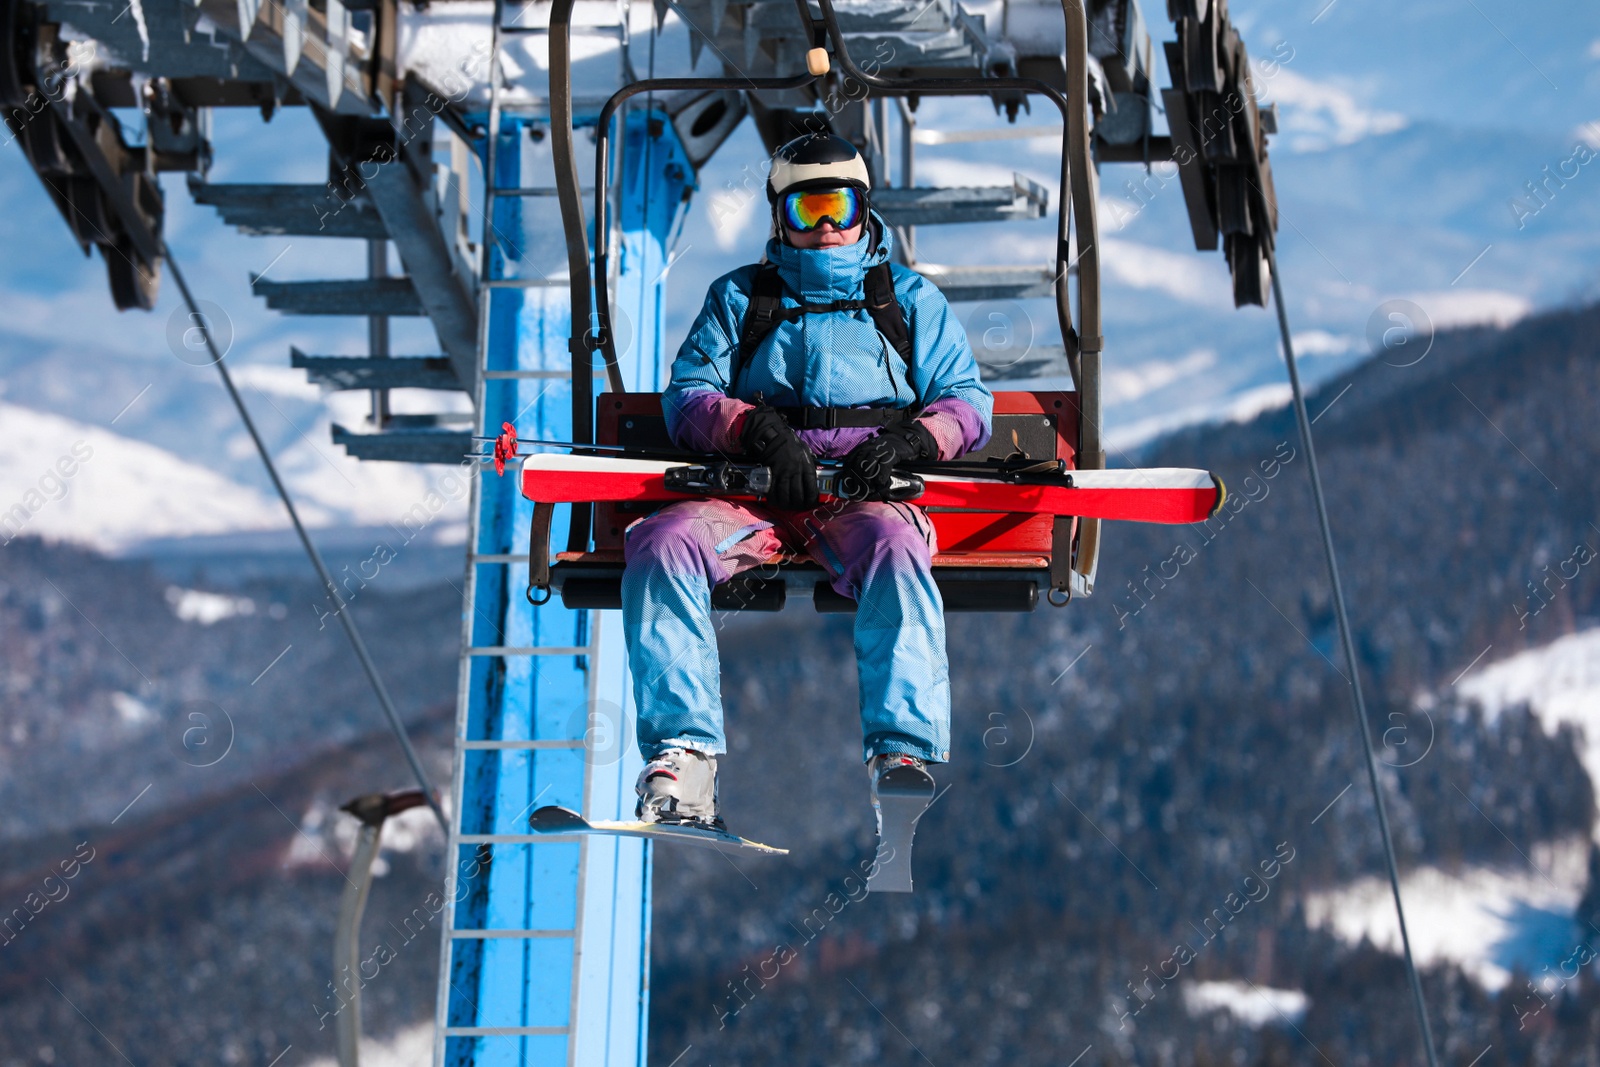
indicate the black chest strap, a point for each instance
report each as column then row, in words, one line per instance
column 817, row 418
column 767, row 310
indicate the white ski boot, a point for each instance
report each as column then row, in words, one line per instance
column 680, row 786
column 902, row 789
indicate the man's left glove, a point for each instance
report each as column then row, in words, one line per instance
column 768, row 438
column 870, row 465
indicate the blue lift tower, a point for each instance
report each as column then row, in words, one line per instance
column 546, row 952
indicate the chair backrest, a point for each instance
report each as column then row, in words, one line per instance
column 1039, row 424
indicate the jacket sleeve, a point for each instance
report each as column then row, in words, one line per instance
column 700, row 415
column 957, row 408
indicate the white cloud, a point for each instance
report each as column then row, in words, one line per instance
column 1124, row 385
column 1252, row 402
column 1117, row 212
column 1240, row 407
column 1323, row 343
column 77, row 320
column 1589, row 134
column 1194, row 279
column 1317, row 115
column 732, row 211
column 1471, row 307
column 1594, row 48
column 276, row 379
column 1003, row 161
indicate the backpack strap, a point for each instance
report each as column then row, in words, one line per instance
column 888, row 316
column 760, row 318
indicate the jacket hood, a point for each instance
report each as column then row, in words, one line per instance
column 823, row 275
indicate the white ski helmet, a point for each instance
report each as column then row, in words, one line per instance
column 816, row 161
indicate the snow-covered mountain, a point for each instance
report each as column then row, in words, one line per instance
column 74, row 481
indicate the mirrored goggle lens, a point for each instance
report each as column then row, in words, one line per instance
column 809, row 209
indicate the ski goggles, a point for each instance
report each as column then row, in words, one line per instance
column 809, row 208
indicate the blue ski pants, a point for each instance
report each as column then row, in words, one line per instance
column 878, row 554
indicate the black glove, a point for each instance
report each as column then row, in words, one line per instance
column 870, row 465
column 768, row 438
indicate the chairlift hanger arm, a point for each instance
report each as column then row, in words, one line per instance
column 605, row 341
column 570, row 198
column 600, row 335
column 1077, row 179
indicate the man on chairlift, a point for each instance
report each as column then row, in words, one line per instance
column 824, row 351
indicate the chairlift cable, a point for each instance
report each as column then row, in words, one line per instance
column 1341, row 613
column 346, row 619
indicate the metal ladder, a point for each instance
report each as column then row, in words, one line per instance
column 545, row 940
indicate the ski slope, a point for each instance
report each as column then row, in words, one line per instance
column 1487, row 921
column 1490, row 920
column 1560, row 683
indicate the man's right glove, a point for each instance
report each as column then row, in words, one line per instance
column 869, row 468
column 769, row 438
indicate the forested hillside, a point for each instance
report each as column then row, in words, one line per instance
column 187, row 751
column 1187, row 724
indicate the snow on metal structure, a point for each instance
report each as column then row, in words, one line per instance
column 70, row 66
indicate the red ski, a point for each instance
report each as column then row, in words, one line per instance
column 1157, row 494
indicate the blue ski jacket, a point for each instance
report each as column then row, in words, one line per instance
column 831, row 359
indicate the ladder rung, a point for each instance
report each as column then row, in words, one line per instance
column 514, row 650
column 497, row 375
column 497, row 557
column 479, row 934
column 493, row 745
column 535, row 190
column 526, row 283
column 504, row 1031
column 517, row 839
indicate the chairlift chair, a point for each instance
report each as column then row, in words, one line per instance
column 986, row 561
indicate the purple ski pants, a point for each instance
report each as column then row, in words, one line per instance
column 878, row 554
